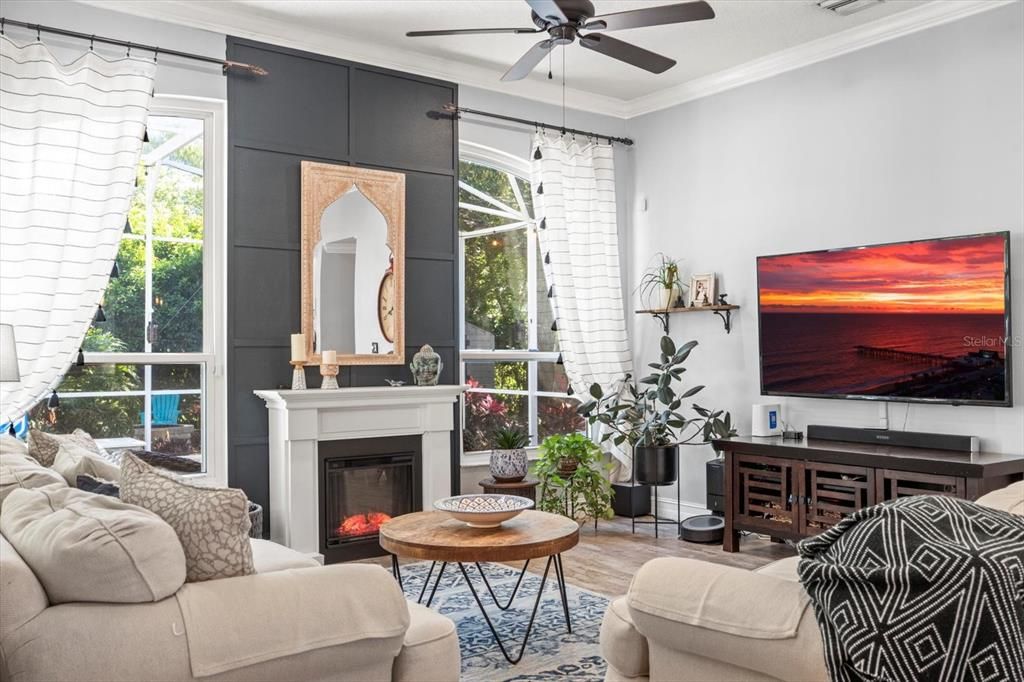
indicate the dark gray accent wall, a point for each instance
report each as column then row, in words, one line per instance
column 333, row 111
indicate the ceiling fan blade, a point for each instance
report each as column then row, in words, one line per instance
column 653, row 16
column 549, row 9
column 470, row 31
column 529, row 61
column 627, row 52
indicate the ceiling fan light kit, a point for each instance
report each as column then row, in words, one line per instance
column 563, row 20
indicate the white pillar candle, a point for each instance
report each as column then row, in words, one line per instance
column 298, row 347
column 329, row 357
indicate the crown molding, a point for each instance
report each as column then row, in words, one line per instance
column 881, row 30
column 220, row 18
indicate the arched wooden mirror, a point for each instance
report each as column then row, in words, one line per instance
column 353, row 264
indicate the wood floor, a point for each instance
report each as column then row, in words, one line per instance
column 605, row 561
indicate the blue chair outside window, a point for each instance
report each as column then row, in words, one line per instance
column 165, row 410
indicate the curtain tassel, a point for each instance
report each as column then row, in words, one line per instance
column 559, row 361
column 540, row 188
column 537, row 154
column 54, row 402
column 11, row 431
column 547, row 258
column 543, row 223
column 551, row 291
column 145, row 135
column 100, row 316
column 569, row 391
column 80, row 361
column 115, row 271
column 127, row 226
column 554, row 326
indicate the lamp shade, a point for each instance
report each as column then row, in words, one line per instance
column 8, row 355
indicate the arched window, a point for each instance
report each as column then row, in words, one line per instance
column 509, row 349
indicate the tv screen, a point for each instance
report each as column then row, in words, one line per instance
column 924, row 321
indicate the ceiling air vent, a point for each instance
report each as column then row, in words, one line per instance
column 847, row 7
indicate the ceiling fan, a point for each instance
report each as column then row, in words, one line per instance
column 563, row 20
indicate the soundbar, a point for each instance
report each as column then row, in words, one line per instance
column 903, row 439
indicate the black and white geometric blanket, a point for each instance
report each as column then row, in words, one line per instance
column 921, row 589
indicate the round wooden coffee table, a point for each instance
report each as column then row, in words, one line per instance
column 436, row 536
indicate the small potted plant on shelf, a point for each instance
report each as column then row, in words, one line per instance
column 660, row 286
column 508, row 459
column 573, row 477
column 647, row 416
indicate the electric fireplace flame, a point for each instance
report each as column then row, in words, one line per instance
column 358, row 525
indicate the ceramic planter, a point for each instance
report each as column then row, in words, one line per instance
column 666, row 297
column 656, row 465
column 508, row 466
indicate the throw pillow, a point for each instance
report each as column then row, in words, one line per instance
column 43, row 446
column 212, row 523
column 92, row 548
column 73, row 459
column 170, row 462
column 97, row 486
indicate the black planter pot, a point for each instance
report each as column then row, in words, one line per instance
column 656, row 465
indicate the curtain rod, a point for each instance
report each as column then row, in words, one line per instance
column 225, row 64
column 456, row 110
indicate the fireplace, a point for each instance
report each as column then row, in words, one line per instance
column 363, row 483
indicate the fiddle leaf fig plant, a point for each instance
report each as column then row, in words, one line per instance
column 649, row 412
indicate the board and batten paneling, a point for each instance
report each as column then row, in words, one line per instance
column 332, row 111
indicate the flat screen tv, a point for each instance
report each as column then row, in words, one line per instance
column 921, row 321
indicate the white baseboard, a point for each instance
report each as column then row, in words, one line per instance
column 667, row 508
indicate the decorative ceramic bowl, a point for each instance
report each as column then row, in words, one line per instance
column 484, row 510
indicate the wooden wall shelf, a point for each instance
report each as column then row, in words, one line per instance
column 723, row 311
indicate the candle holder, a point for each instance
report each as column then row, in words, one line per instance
column 298, row 375
column 330, row 375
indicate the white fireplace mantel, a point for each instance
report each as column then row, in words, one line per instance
column 300, row 419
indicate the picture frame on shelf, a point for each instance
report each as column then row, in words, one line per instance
column 702, row 290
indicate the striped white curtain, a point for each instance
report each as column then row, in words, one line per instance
column 70, row 138
column 574, row 195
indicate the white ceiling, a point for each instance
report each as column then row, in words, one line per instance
column 746, row 35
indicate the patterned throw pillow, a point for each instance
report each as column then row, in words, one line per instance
column 212, row 523
column 43, row 446
column 73, row 459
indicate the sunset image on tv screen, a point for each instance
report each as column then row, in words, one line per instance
column 920, row 320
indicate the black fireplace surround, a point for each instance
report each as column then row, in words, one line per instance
column 363, row 483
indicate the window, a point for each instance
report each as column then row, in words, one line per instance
column 152, row 377
column 509, row 349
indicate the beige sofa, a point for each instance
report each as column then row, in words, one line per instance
column 684, row 620
column 280, row 624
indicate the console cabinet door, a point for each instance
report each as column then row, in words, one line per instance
column 892, row 485
column 832, row 491
column 765, row 495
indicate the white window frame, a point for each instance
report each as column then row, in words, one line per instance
column 213, row 112
column 514, row 165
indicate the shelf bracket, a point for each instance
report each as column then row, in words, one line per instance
column 726, row 316
column 663, row 318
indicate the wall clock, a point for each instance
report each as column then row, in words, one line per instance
column 386, row 306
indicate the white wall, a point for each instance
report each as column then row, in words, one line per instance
column 915, row 138
column 174, row 76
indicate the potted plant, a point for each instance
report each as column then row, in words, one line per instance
column 508, row 459
column 660, row 286
column 573, row 477
column 647, row 416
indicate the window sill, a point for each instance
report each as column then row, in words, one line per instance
column 482, row 458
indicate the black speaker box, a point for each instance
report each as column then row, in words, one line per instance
column 715, row 470
column 903, row 439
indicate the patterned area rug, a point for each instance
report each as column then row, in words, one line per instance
column 552, row 653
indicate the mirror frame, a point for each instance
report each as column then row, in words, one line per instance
column 322, row 184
